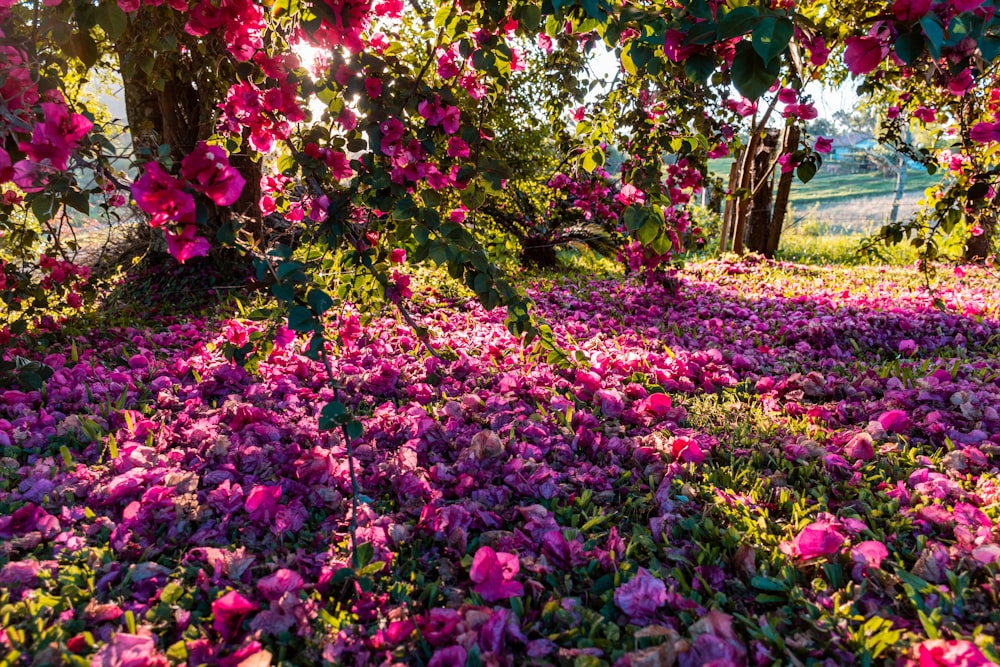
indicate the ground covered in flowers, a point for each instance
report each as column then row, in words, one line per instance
column 770, row 464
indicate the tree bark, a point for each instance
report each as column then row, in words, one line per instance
column 173, row 100
column 759, row 217
column 790, row 143
column 978, row 248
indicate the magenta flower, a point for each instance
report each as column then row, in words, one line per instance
column 209, row 171
column 229, row 612
column 262, row 502
column 869, row 553
column 907, row 11
column 162, row 197
column 950, row 653
column 53, row 140
column 493, row 573
column 863, row 54
column 641, row 596
column 186, row 244
column 817, row 539
column 125, row 650
column 823, row 145
column 687, row 450
column 895, row 421
column 274, row 586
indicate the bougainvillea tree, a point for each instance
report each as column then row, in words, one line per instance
column 384, row 138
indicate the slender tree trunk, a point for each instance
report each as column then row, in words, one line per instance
column 731, row 204
column 900, row 187
column 759, row 217
column 743, row 202
column 790, row 143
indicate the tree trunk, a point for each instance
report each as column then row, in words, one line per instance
column 900, row 187
column 978, row 248
column 171, row 99
column 759, row 217
column 789, row 145
column 742, row 204
column 731, row 204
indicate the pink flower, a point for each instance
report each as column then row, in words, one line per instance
column 788, row 96
column 863, row 54
column 579, row 113
column 720, row 150
column 907, row 347
column 907, row 11
column 373, row 86
column 817, row 539
column 283, row 581
column 895, row 421
column 54, row 139
column 493, row 573
column 630, row 195
column 229, row 612
column 452, row 656
column 860, row 448
column 125, row 650
column 457, row 148
column 950, row 653
column 392, row 131
column 984, row 133
column 187, row 244
column 262, row 502
column 208, row 170
column 687, row 450
column 925, row 114
column 959, row 84
column 658, row 404
column 823, row 145
column 641, row 596
column 742, row 107
column 162, row 197
column 788, row 163
column 869, row 553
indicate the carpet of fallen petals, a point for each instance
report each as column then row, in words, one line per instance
column 770, row 464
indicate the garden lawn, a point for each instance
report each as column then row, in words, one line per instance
column 779, row 464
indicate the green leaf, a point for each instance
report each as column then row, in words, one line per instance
column 765, row 584
column 771, row 37
column 978, row 190
column 530, row 16
column 85, row 48
column 909, row 46
column 301, row 320
column 112, row 19
column 319, row 301
column 648, row 231
column 751, row 75
column 806, row 171
column 740, row 21
column 171, row 593
column 332, row 415
column 699, row 67
column 42, row 208
column 934, row 31
column 634, row 217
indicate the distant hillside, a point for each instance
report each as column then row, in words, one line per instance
column 849, row 203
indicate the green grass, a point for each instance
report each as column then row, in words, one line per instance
column 830, row 188
column 838, row 250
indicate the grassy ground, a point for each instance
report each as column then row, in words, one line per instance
column 849, row 203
